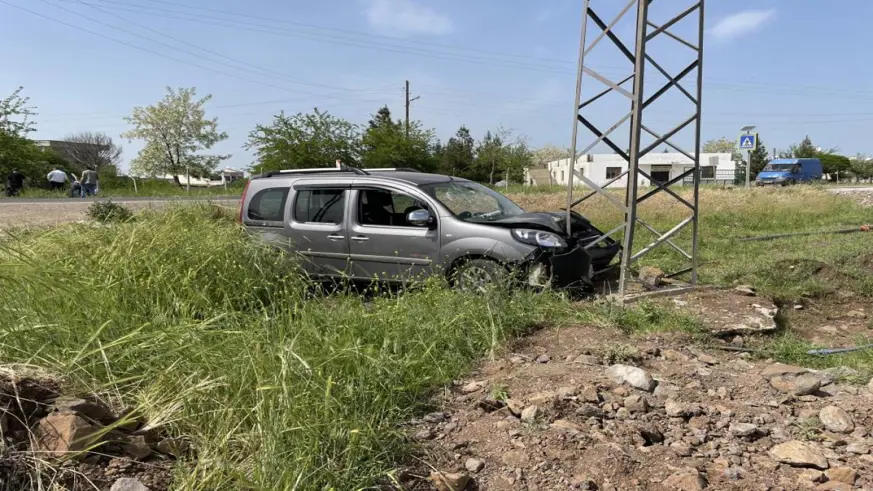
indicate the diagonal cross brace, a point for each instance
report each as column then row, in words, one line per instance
column 662, row 187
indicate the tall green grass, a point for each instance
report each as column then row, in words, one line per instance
column 215, row 337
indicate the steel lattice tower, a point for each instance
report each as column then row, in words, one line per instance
column 641, row 60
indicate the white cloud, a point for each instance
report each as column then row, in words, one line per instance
column 406, row 17
column 543, row 16
column 741, row 23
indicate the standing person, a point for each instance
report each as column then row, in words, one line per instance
column 14, row 183
column 57, row 178
column 89, row 182
column 75, row 187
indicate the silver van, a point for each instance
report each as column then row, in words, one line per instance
column 398, row 225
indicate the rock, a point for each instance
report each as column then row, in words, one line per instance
column 546, row 398
column 489, row 403
column 743, row 429
column 136, row 447
column 708, row 359
column 799, row 454
column 845, row 475
column 870, row 385
column 633, row 376
column 566, row 426
column 583, row 483
column 746, row 290
column 858, row 448
column 445, row 481
column 177, row 447
column 836, row 420
column 424, row 434
column 651, row 276
column 589, row 394
column 781, row 370
column 529, row 414
column 677, row 409
column 810, row 475
column 515, row 406
column 681, row 449
column 636, row 404
column 651, row 434
column 738, row 341
column 856, row 314
column 516, row 360
column 85, row 408
column 834, row 486
column 544, row 358
column 589, row 411
column 435, row 417
column 474, row 465
column 514, row 458
column 472, row 387
column 799, row 385
column 685, row 480
column 567, row 392
column 128, row 484
column 61, row 433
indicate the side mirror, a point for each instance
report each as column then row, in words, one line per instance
column 419, row 218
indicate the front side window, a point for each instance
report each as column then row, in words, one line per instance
column 268, row 205
column 382, row 208
column 319, row 206
column 472, row 202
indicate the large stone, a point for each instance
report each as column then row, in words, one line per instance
column 746, row 290
column 60, row 434
column 474, row 465
column 743, row 429
column 88, row 409
column 136, row 447
column 633, row 376
column 472, row 387
column 651, row 276
column 530, row 413
column 685, row 480
column 564, row 426
column 845, row 475
column 446, row 481
column 781, row 370
column 676, row 409
column 636, row 404
column 128, row 484
column 798, row 385
column 799, row 454
column 835, row 419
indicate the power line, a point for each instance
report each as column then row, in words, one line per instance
column 539, row 64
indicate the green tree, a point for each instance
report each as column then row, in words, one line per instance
column 309, row 140
column 458, row 154
column 175, row 131
column 835, row 165
column 385, row 144
column 723, row 145
column 16, row 150
column 803, row 150
column 862, row 167
column 489, row 158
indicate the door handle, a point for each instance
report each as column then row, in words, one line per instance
column 336, row 237
column 360, row 238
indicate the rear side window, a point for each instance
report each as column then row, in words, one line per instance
column 268, row 205
column 320, row 206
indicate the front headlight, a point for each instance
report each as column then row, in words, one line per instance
column 539, row 238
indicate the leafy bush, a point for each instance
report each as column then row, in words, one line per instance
column 107, row 211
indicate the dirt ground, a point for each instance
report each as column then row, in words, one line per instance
column 549, row 415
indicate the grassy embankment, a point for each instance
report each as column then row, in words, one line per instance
column 211, row 337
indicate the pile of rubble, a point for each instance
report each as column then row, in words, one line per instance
column 672, row 418
column 84, row 442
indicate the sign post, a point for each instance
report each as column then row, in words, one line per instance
column 749, row 143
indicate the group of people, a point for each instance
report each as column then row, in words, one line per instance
column 57, row 179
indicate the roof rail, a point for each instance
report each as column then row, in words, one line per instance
column 394, row 169
column 324, row 170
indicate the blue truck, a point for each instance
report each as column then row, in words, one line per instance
column 787, row 172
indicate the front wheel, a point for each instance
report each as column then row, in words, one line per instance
column 479, row 275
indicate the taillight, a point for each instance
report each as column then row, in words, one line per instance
column 242, row 200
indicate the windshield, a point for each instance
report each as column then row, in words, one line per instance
column 778, row 167
column 472, row 202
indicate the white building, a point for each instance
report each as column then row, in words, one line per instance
column 603, row 168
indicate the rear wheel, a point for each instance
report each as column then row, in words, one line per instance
column 479, row 275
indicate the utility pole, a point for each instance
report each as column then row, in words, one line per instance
column 408, row 102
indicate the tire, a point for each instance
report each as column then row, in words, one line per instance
column 792, row 182
column 478, row 275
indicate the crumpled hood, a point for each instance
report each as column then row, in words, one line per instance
column 544, row 220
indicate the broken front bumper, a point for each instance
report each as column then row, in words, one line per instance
column 573, row 268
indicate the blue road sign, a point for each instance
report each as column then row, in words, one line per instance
column 749, row 142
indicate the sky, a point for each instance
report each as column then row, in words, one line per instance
column 789, row 67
